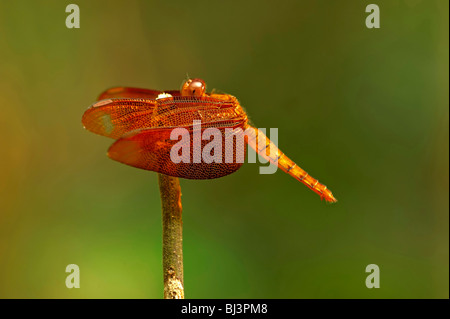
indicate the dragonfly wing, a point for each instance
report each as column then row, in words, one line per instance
column 115, row 117
column 121, row 110
column 128, row 92
column 150, row 149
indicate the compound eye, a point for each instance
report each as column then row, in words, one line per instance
column 193, row 87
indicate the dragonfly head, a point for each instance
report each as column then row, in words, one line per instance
column 193, row 87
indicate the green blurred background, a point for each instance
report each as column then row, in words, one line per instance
column 363, row 110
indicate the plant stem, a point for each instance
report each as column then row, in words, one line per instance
column 170, row 190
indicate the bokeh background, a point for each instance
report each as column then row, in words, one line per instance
column 363, row 110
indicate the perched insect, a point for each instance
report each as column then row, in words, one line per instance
column 142, row 120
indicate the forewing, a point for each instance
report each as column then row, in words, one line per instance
column 128, row 92
column 121, row 110
column 115, row 117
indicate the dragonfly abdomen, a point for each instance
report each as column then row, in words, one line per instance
column 268, row 150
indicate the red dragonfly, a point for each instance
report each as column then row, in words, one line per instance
column 141, row 122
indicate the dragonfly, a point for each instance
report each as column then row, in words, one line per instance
column 141, row 122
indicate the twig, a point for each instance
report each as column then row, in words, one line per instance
column 170, row 190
